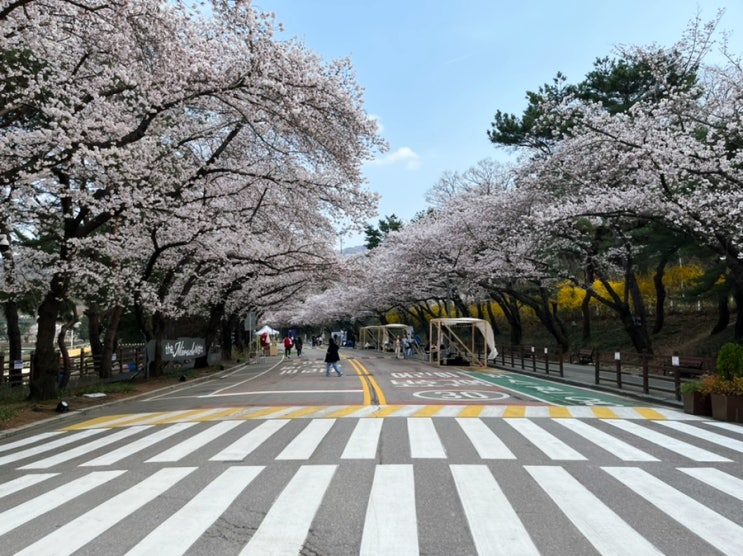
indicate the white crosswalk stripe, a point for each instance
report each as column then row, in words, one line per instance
column 717, row 530
column 239, row 449
column 79, row 532
column 184, row 527
column 605, row 530
column 424, row 441
column 552, row 446
column 390, row 526
column 364, row 440
column 495, row 526
column 394, row 463
column 23, row 513
column 306, row 442
column 485, row 441
column 603, row 440
column 285, row 527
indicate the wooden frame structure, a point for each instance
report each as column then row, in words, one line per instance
column 461, row 339
column 377, row 337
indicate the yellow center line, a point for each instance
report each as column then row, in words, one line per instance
column 363, row 372
column 360, row 371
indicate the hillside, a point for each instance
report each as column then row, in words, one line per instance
column 686, row 333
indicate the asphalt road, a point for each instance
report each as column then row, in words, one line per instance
column 395, row 457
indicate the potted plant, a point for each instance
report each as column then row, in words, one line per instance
column 726, row 387
column 696, row 400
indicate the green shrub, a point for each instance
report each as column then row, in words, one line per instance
column 730, row 361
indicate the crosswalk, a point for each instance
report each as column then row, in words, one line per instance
column 535, row 411
column 466, row 485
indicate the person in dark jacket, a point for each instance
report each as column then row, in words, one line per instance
column 332, row 358
column 298, row 344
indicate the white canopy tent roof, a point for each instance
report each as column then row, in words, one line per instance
column 480, row 338
column 267, row 330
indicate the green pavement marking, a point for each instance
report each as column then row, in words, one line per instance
column 550, row 392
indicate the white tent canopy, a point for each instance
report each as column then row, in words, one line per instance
column 267, row 330
column 479, row 338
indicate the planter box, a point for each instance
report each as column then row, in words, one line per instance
column 696, row 403
column 727, row 408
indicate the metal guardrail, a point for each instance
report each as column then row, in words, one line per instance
column 648, row 373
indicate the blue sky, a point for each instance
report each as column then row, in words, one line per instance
column 435, row 72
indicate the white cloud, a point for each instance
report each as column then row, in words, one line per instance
column 377, row 119
column 404, row 155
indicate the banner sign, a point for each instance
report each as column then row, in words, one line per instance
column 181, row 349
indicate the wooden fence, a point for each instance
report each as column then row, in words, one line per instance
column 128, row 358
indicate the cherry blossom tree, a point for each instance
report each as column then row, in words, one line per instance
column 139, row 139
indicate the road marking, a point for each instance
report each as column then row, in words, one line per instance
column 391, row 524
column 179, row 451
column 485, row 441
column 79, row 532
column 717, row 530
column 16, row 485
column 364, row 440
column 605, row 441
column 240, row 449
column 130, row 449
column 495, row 526
column 183, row 528
column 337, row 411
column 550, row 445
column 85, row 448
column 287, row 523
column 49, row 446
column 23, row 513
column 306, row 442
column 712, row 437
column 683, row 448
column 26, row 441
column 601, row 526
column 424, row 440
column 723, row 482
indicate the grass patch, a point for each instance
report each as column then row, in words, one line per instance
column 7, row 413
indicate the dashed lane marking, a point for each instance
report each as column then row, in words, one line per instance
column 334, row 412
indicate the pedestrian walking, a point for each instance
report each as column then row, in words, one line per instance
column 332, row 358
column 397, row 348
column 298, row 344
column 407, row 348
column 287, row 347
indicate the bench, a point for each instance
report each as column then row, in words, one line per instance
column 584, row 356
column 689, row 367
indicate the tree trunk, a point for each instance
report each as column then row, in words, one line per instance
column 64, row 375
column 660, row 296
column 43, row 384
column 109, row 343
column 723, row 314
column 15, row 345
